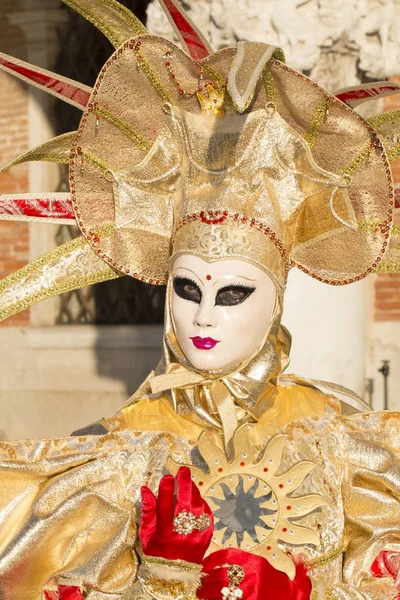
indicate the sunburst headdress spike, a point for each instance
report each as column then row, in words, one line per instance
column 110, row 17
column 187, row 32
column 45, row 207
column 63, row 88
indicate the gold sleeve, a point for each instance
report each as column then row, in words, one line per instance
column 67, row 511
column 371, row 499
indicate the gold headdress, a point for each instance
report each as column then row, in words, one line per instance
column 231, row 155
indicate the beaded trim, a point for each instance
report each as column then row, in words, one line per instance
column 148, row 71
column 394, row 153
column 182, row 565
column 132, row 134
column 269, row 85
column 99, row 23
column 217, row 217
column 131, row 20
column 359, row 160
column 319, row 116
column 327, row 558
column 388, row 117
column 388, row 267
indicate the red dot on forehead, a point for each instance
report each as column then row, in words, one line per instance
column 208, row 277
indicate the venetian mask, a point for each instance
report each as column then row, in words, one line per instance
column 221, row 310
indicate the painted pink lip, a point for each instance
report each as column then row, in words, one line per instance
column 204, row 343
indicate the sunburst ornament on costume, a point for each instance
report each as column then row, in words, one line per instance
column 253, row 505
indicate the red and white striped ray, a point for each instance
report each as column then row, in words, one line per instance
column 63, row 88
column 197, row 45
column 46, row 208
column 353, row 96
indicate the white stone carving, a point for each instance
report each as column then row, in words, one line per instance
column 339, row 43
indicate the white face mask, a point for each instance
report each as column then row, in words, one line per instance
column 221, row 310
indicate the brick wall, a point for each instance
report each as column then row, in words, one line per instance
column 14, row 140
column 387, row 287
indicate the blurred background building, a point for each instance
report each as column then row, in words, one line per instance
column 69, row 360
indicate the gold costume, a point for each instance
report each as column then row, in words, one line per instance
column 231, row 155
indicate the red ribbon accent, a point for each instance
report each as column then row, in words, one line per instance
column 261, row 580
column 387, row 564
column 156, row 530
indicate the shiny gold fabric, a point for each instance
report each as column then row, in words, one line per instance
column 68, row 507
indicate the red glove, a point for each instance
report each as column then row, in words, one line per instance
column 64, row 592
column 261, row 581
column 162, row 517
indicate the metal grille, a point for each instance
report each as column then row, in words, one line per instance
column 84, row 50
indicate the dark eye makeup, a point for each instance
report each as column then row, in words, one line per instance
column 187, row 289
column 230, row 295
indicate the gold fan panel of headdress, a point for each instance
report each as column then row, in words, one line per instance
column 128, row 101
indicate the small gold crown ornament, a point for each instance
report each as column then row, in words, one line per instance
column 213, row 103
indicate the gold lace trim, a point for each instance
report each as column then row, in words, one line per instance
column 317, row 120
column 99, row 23
column 393, row 153
column 94, row 161
column 137, row 26
column 174, row 587
column 180, row 564
column 389, row 117
column 151, row 76
column 269, row 85
column 375, row 226
column 124, row 127
column 388, row 267
column 321, row 561
column 62, row 159
column 358, row 161
column 332, row 595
